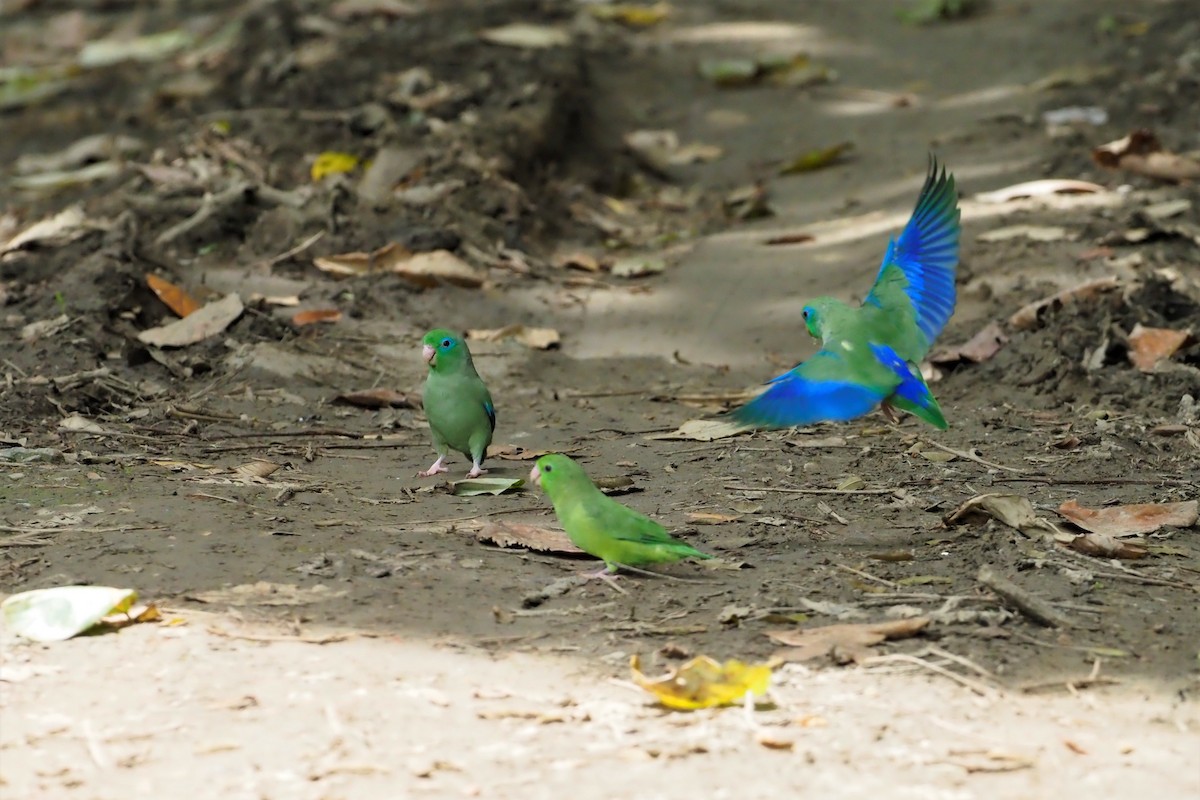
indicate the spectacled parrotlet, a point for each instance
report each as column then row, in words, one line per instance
column 870, row 352
column 599, row 525
column 458, row 405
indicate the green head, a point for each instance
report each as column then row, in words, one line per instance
column 555, row 471
column 821, row 314
column 444, row 351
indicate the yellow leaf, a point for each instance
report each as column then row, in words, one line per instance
column 704, row 683
column 333, row 163
column 631, row 15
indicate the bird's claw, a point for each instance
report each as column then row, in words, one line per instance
column 476, row 471
column 434, row 469
column 605, row 576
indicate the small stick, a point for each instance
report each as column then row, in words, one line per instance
column 268, row 637
column 869, row 576
column 979, row 688
column 807, row 491
column 1033, row 607
column 970, row 456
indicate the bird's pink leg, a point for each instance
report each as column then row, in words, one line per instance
column 476, row 470
column 435, row 468
column 605, row 575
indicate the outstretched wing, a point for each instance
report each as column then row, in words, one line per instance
column 818, row 390
column 917, row 274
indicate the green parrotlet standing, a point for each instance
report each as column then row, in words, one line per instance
column 458, row 405
column 601, row 526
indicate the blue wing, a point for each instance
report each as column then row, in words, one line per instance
column 911, row 393
column 921, row 262
column 810, row 393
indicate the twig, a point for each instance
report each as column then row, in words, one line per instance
column 1093, row 679
column 1033, row 607
column 978, row 687
column 187, row 413
column 869, row 576
column 1104, row 481
column 209, row 207
column 473, row 516
column 1127, row 574
column 95, row 750
column 970, row 456
column 807, row 491
column 271, row 637
column 300, row 248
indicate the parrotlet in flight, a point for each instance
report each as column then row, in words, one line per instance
column 461, row 414
column 870, row 354
column 601, row 526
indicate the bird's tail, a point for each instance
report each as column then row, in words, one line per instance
column 912, row 393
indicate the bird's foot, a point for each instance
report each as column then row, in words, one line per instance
column 606, row 576
column 476, row 471
column 434, row 469
column 890, row 413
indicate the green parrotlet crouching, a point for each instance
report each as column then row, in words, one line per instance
column 601, row 526
column 457, row 403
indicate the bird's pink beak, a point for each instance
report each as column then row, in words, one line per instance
column 428, row 353
column 535, row 476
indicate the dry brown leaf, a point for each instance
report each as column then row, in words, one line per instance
column 533, row 537
column 846, row 642
column 61, row 228
column 789, row 238
column 197, row 326
column 313, row 315
column 1133, row 519
column 1140, row 152
column 981, row 347
column 1011, row 509
column 578, row 260
column 377, row 398
column 513, row 452
column 1039, row 188
column 174, row 297
column 1102, row 545
column 426, row 269
column 1148, row 346
column 703, row 430
column 256, row 470
column 1030, row 316
column 536, row 338
column 345, row 265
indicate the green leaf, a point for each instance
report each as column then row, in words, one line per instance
column 52, row 615
column 471, row 487
column 816, row 159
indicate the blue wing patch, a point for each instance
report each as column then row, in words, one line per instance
column 795, row 399
column 491, row 412
column 926, row 252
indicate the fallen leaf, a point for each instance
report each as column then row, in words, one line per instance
column 376, row 398
column 978, row 349
column 532, row 537
column 704, row 683
column 1102, row 545
column 790, row 238
column 637, row 266
column 197, row 326
column 256, row 470
column 471, row 487
column 174, row 297
column 850, row 641
column 748, row 202
column 816, row 159
column 630, row 15
column 1133, row 519
column 703, row 430
column 730, row 72
column 526, row 36
column 1148, row 346
column 313, row 315
column 536, row 338
column 578, row 260
column 660, row 150
column 1039, row 188
column 59, row 229
column 60, row 612
column 438, row 266
column 119, row 48
column 349, row 9
column 1030, row 316
column 79, row 424
column 512, row 452
column 1140, row 152
column 1036, row 233
column 42, row 328
column 1011, row 509
column 333, row 163
column 265, row 593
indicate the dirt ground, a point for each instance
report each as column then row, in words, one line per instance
column 342, row 628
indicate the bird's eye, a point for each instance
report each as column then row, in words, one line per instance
column 446, row 342
column 548, row 468
column 804, row 313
